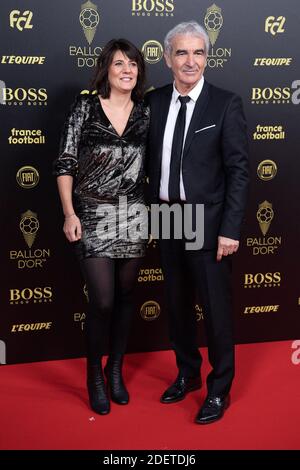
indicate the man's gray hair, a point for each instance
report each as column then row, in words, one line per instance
column 188, row 28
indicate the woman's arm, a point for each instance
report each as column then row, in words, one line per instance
column 72, row 225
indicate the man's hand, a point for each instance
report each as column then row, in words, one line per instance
column 226, row 246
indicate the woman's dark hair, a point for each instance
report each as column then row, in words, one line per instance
column 100, row 81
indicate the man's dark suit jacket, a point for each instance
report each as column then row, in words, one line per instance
column 215, row 158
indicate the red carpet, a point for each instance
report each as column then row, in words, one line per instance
column 44, row 406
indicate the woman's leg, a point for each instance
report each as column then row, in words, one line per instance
column 99, row 274
column 126, row 276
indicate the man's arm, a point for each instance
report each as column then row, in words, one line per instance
column 235, row 159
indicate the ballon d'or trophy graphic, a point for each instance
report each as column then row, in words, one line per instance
column 213, row 22
column 89, row 20
column 265, row 216
column 29, row 226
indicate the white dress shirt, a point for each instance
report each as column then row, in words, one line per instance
column 168, row 137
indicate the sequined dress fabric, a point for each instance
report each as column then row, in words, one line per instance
column 107, row 169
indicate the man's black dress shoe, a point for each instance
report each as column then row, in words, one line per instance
column 212, row 409
column 178, row 390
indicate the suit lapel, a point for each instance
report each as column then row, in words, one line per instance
column 199, row 110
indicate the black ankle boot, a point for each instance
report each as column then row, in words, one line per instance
column 113, row 372
column 97, row 390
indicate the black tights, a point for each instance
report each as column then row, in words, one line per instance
column 110, row 284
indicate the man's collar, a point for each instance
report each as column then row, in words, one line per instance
column 193, row 94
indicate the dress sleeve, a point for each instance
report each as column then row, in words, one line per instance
column 67, row 161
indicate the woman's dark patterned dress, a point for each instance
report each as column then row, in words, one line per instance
column 107, row 169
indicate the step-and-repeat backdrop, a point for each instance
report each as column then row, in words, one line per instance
column 48, row 51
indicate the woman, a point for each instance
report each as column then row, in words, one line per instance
column 101, row 159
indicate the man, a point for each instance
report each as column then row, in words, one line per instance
column 198, row 155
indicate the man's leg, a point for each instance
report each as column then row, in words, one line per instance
column 181, row 315
column 213, row 279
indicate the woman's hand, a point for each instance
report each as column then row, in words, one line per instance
column 72, row 228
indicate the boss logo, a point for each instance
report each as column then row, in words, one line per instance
column 23, row 94
column 157, row 6
column 262, row 279
column 267, row 94
column 37, row 294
